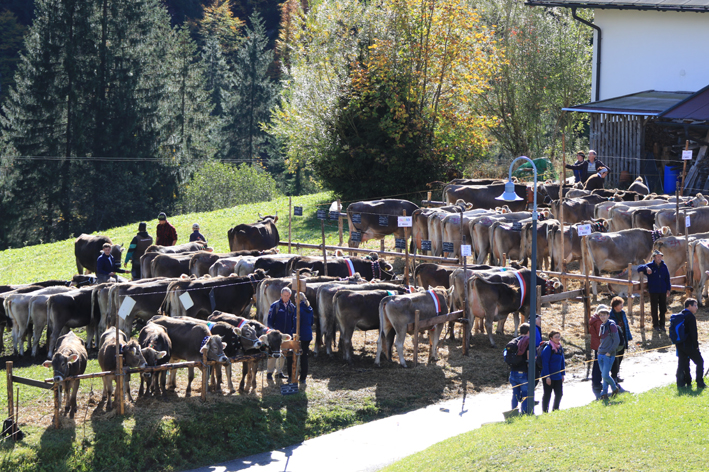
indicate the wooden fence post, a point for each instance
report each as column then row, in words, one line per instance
column 630, row 293
column 56, row 404
column 504, row 259
column 10, row 403
column 676, row 212
column 324, row 252
column 586, row 299
column 406, row 255
column 642, row 305
column 119, row 372
column 205, row 376
column 417, row 314
column 339, row 219
column 539, row 304
column 290, row 215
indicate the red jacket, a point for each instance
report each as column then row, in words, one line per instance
column 594, row 326
column 166, row 234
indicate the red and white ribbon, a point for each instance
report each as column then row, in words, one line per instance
column 350, row 267
column 522, row 286
column 242, row 323
column 436, row 302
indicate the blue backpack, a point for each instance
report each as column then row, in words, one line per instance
column 678, row 335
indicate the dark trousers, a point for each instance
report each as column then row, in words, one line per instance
column 684, row 355
column 596, row 379
column 616, row 365
column 558, row 387
column 658, row 300
column 135, row 271
column 305, row 347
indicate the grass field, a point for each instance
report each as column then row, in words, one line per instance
column 661, row 430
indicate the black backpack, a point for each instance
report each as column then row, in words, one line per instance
column 515, row 361
column 678, row 334
column 621, row 344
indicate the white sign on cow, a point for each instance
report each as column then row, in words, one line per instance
column 405, row 222
column 687, row 223
column 584, row 230
column 186, row 300
column 126, row 307
column 465, row 250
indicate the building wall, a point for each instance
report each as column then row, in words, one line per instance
column 618, row 142
column 649, row 50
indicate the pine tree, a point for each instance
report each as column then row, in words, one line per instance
column 251, row 96
column 217, row 73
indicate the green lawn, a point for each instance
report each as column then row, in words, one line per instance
column 661, row 430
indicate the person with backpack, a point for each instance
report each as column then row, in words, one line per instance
column 594, row 327
column 606, row 352
column 683, row 333
column 553, row 370
column 621, row 320
column 659, row 286
column 516, row 355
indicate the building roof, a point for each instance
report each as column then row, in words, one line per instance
column 648, row 103
column 695, row 107
column 660, row 5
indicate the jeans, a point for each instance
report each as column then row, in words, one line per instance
column 658, row 300
column 596, row 379
column 558, row 387
column 684, row 375
column 616, row 365
column 519, row 383
column 605, row 362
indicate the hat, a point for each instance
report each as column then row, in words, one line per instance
column 195, row 226
column 539, row 317
column 142, row 226
column 105, row 245
column 162, row 216
column 581, row 153
column 656, row 253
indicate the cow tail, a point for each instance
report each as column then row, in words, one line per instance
column 8, row 318
column 382, row 317
column 586, row 256
column 164, row 309
column 93, row 301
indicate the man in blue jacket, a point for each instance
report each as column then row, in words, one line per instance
column 105, row 267
column 689, row 349
column 306, row 335
column 280, row 317
column 658, row 284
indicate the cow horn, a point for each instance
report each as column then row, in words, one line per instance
column 259, row 216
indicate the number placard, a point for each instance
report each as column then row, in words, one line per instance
column 357, row 218
column 466, row 250
column 686, row 155
column 186, row 300
column 425, row 245
column 405, row 221
column 687, row 222
column 356, row 236
column 383, row 220
column 399, row 243
column 126, row 307
column 297, row 211
column 334, row 215
column 322, row 214
column 448, row 247
column 584, row 230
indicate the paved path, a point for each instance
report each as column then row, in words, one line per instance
column 374, row 445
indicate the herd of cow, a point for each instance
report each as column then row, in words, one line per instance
column 192, row 301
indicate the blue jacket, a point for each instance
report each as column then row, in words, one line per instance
column 281, row 317
column 104, row 265
column 538, row 337
column 197, row 236
column 622, row 321
column 306, row 322
column 659, row 280
column 553, row 363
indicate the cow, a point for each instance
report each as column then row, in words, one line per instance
column 132, row 357
column 70, row 310
column 614, row 251
column 543, row 244
column 433, row 274
column 370, row 267
column 223, row 293
column 576, row 209
column 458, row 280
column 699, row 218
column 190, row 340
column 38, row 315
column 480, row 231
column 505, row 238
column 453, row 230
column 259, row 236
column 17, row 308
column 87, row 248
column 485, row 196
column 274, row 266
column 699, row 255
column 269, row 290
column 371, row 215
column 100, row 300
column 193, row 246
column 155, row 337
column 148, row 295
column 170, row 265
column 572, row 241
column 479, row 302
column 674, row 249
column 69, row 361
column 397, row 311
column 639, row 186
column 224, row 267
column 201, row 261
column 146, row 261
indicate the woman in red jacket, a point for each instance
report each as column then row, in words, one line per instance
column 594, row 327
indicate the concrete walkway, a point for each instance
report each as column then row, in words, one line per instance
column 374, row 445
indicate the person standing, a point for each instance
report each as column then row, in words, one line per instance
column 140, row 242
column 594, row 327
column 658, row 284
column 553, row 371
column 166, row 233
column 580, row 160
column 196, row 235
column 621, row 320
column 105, row 267
column 306, row 335
column 519, row 370
column 589, row 167
column 280, row 317
column 689, row 349
column 606, row 352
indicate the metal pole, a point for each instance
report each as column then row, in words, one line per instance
column 290, row 216
column 324, row 252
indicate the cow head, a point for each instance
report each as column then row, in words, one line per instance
column 116, row 251
column 214, row 347
column 658, row 232
column 249, row 340
column 697, row 201
column 549, row 285
column 264, row 219
column 232, row 339
column 272, row 342
column 133, row 354
column 151, row 357
column 61, row 364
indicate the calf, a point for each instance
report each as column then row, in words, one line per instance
column 155, row 337
column 38, row 317
column 70, row 310
column 132, row 357
column 69, row 361
column 148, row 295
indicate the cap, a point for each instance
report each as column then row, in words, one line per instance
column 195, row 226
column 105, row 245
column 657, row 253
column 581, row 153
column 142, row 226
column 162, row 216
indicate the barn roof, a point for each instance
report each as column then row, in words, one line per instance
column 659, row 5
column 647, row 103
column 694, row 107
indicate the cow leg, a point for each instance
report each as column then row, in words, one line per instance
column 346, row 342
column 190, row 378
column 108, row 391
column 400, row 339
column 488, row 327
column 500, row 322
column 163, row 377
column 227, row 369
column 515, row 317
column 435, row 336
column 244, row 373
column 143, row 382
column 380, row 342
column 126, row 387
column 74, row 392
column 451, row 330
column 253, row 371
column 36, row 336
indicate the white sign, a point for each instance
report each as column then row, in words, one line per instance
column 126, row 307
column 686, row 155
column 584, row 230
column 405, row 222
column 186, row 300
column 465, row 250
column 687, row 223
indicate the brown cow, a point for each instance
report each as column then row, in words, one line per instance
column 155, row 337
column 259, row 236
column 132, row 357
column 70, row 310
column 69, row 361
column 369, row 218
column 170, row 265
column 87, row 248
column 201, row 261
column 485, row 196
